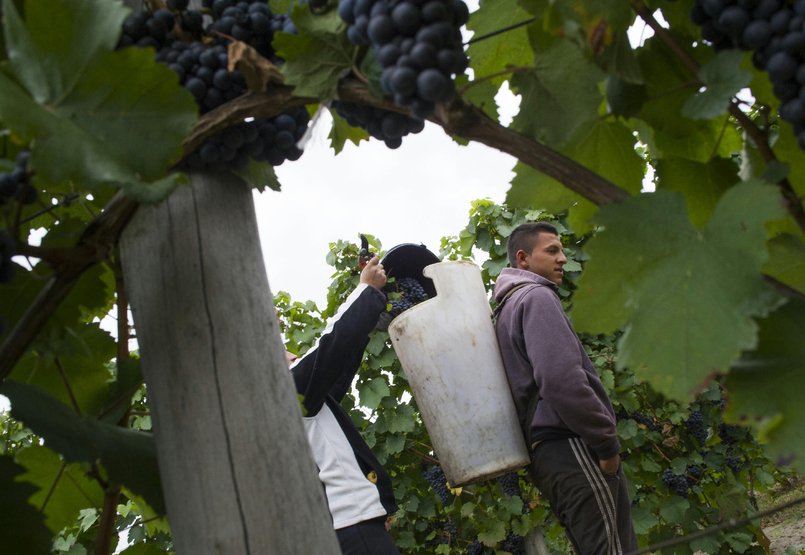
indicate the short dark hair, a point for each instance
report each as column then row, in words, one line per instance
column 524, row 237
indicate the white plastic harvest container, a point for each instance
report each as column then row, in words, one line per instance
column 449, row 351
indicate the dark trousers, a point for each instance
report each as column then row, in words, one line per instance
column 369, row 537
column 591, row 505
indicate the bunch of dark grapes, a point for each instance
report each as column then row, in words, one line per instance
column 678, row 484
column 418, row 44
column 271, row 140
column 7, row 268
column 202, row 70
column 775, row 31
column 250, row 21
column 475, row 548
column 389, row 127
column 510, row 484
column 732, row 462
column 693, row 474
column 695, row 427
column 411, row 292
column 639, row 417
column 435, row 477
column 17, row 184
column 513, row 544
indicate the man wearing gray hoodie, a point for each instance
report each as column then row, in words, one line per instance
column 557, row 392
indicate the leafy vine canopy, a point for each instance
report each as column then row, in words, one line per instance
column 704, row 279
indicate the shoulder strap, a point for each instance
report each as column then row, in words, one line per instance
column 505, row 298
column 532, row 403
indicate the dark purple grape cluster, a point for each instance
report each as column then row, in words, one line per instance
column 17, row 183
column 695, row 426
column 639, row 417
column 734, row 463
column 411, row 292
column 249, row 21
column 271, row 140
column 202, row 70
column 775, row 31
column 386, row 126
column 418, row 44
column 693, row 474
column 509, row 484
column 513, row 544
column 435, row 477
column 475, row 548
column 678, row 484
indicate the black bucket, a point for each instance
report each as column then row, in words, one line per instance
column 407, row 261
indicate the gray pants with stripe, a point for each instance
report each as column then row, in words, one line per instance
column 591, row 505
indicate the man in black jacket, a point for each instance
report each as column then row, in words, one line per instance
column 359, row 491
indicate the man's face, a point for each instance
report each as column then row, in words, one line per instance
column 546, row 258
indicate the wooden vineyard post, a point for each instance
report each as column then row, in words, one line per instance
column 237, row 471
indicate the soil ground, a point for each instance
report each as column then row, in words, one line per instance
column 786, row 528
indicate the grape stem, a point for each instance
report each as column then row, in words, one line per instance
column 492, row 76
column 795, row 207
column 731, row 523
column 657, row 418
column 63, row 374
column 53, row 487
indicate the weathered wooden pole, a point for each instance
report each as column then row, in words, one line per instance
column 236, row 468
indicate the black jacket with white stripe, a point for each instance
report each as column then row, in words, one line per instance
column 357, row 487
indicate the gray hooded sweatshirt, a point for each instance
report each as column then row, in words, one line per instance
column 542, row 354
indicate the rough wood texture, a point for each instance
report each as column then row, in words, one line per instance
column 535, row 543
column 236, row 468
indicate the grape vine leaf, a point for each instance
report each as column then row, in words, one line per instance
column 685, row 296
column 143, row 549
column 372, row 392
column 723, row 78
column 619, row 60
column 372, row 70
column 643, row 519
column 22, row 529
column 558, row 95
column 786, row 260
column 700, row 184
column 765, row 386
column 128, row 456
column 316, row 56
column 121, row 391
column 510, row 49
column 607, row 149
column 20, row 4
column 787, row 150
column 480, row 94
column 67, row 489
column 624, row 99
column 101, row 116
column 341, row 132
column 82, row 354
column 259, row 175
column 616, row 15
column 668, row 134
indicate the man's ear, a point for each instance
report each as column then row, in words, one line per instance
column 522, row 263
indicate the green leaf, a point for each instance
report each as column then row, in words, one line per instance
column 624, row 99
column 508, row 49
column 371, row 393
column 493, row 534
column 394, row 444
column 481, row 94
column 20, row 4
column 786, row 260
column 372, row 70
column 619, row 61
column 121, row 391
column 143, row 549
column 316, row 56
column 668, row 132
column 559, row 94
column 616, row 14
column 787, row 150
column 22, row 529
column 129, row 457
column 259, row 175
column 607, row 149
column 67, row 491
column 83, row 355
column 701, row 184
column 687, row 296
column 706, row 544
column 98, row 116
column 643, row 520
column 402, row 420
column 342, row 131
column 672, row 509
column 723, row 78
column 765, row 386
